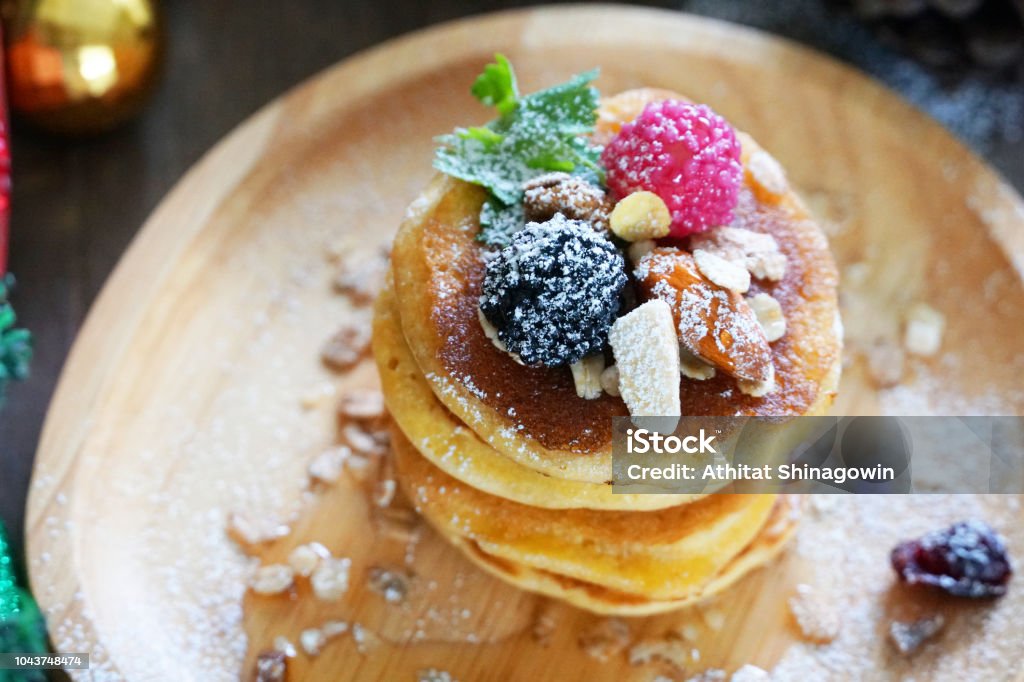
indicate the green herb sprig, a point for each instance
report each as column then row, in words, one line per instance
column 534, row 134
column 15, row 344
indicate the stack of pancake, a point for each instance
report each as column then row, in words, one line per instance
column 512, row 467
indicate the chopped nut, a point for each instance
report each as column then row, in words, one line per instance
column 362, row 405
column 638, row 250
column 272, row 579
column 572, row 196
column 750, row 673
column 885, row 363
column 769, row 314
column 434, row 675
column 908, row 637
column 330, row 579
column 326, row 467
column 391, row 583
column 363, row 280
column 361, row 440
column 491, row 332
column 610, row 380
column 305, row 558
column 347, row 347
column 271, row 666
column 366, row 640
column 311, row 641
column 767, row 173
column 587, row 375
column 725, row 274
column 818, row 621
column 756, row 251
column 544, row 625
column 647, row 353
column 333, row 628
column 316, row 396
column 692, row 367
column 688, row 631
column 251, row 530
column 925, row 326
column 360, row 467
column 640, row 216
column 758, row 389
column 284, row 646
column 709, row 675
column 384, row 492
column 713, row 618
column 671, row 651
column 605, row 638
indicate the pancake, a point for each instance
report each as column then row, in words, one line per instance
column 781, row 526
column 459, row 452
column 532, row 414
column 662, row 555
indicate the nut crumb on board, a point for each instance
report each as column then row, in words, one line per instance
column 272, row 579
column 908, row 637
column 605, row 638
column 347, row 346
column 818, row 620
column 247, row 529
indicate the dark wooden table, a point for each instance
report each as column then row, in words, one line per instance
column 76, row 205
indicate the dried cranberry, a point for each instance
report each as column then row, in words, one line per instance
column 968, row 559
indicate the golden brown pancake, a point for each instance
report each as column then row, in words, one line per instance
column 663, row 555
column 532, row 414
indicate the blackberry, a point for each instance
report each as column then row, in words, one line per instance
column 554, row 291
column 968, row 559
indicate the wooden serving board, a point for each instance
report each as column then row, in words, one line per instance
column 195, row 388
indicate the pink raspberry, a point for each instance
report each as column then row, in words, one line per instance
column 686, row 154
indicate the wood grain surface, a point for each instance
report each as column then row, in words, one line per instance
column 185, row 396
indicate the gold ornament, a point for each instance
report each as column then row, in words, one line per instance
column 81, row 66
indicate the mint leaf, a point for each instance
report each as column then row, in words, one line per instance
column 496, row 86
column 15, row 344
column 498, row 222
column 539, row 133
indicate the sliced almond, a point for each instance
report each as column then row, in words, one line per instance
column 756, row 251
column 714, row 323
column 587, row 375
column 692, row 367
column 610, row 380
column 766, row 174
column 769, row 315
column 647, row 354
column 925, row 326
column 725, row 274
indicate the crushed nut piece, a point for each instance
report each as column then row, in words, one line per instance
column 818, row 620
column 885, row 363
column 610, row 380
column 756, row 251
column 283, row 645
column 638, row 250
column 326, row 467
column 312, row 641
column 384, row 492
column 392, row 583
column 434, row 675
column 272, row 579
column 769, row 314
column 587, row 375
column 640, row 216
column 491, row 332
column 333, row 628
column 688, row 631
column 271, row 666
column 348, row 345
column 330, row 579
column 647, row 354
column 544, row 625
column 908, row 637
column 709, row 675
column 362, row 405
column 361, row 440
column 725, row 274
column 366, row 640
column 671, row 651
column 750, row 673
column 570, row 195
column 605, row 638
column 758, row 389
column 250, row 530
column 693, row 367
column 305, row 558
column 767, row 173
column 713, row 618
column 360, row 467
column 362, row 280
column 925, row 326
